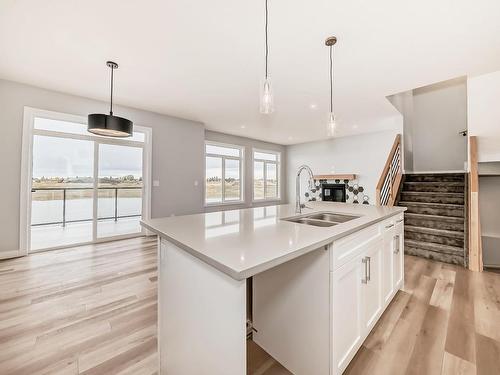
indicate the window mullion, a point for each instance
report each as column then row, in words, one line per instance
column 265, row 180
column 223, row 179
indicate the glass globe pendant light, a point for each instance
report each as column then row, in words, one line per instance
column 331, row 124
column 266, row 94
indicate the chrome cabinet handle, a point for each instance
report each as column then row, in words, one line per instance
column 389, row 226
column 365, row 262
column 369, row 268
column 397, row 242
column 400, row 220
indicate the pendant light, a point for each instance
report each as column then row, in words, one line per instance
column 331, row 125
column 266, row 95
column 110, row 125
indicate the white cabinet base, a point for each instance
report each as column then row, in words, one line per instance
column 311, row 313
column 201, row 317
column 291, row 313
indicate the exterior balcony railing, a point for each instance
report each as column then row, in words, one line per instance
column 65, row 192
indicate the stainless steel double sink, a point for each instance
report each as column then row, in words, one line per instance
column 322, row 219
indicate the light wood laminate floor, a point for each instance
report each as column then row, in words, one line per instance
column 92, row 310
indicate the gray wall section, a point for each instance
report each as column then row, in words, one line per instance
column 489, row 209
column 249, row 144
column 439, row 114
column 177, row 157
column 404, row 104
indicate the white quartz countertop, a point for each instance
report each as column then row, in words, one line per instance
column 243, row 243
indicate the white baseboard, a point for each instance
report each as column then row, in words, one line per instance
column 11, row 254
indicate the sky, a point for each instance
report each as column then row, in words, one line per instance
column 63, row 157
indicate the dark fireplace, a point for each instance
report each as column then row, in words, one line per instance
column 333, row 192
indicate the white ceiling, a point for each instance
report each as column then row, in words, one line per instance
column 203, row 60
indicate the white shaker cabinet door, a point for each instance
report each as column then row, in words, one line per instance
column 398, row 255
column 372, row 288
column 387, row 265
column 346, row 283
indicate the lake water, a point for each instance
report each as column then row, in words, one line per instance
column 81, row 209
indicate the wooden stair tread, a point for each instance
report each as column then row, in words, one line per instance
column 448, row 183
column 425, row 204
column 437, row 193
column 435, row 223
column 434, row 217
column 434, row 232
column 437, row 174
column 436, row 247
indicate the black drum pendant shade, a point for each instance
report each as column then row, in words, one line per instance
column 109, row 125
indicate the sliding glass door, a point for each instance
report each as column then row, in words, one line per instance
column 84, row 188
column 62, row 192
column 119, row 190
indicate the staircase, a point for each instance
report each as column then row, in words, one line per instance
column 436, row 221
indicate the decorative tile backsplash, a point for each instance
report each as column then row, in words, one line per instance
column 354, row 191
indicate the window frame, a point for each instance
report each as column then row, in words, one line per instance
column 241, row 159
column 29, row 132
column 277, row 198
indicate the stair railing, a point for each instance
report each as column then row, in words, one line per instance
column 392, row 174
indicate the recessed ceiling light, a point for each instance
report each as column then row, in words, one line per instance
column 313, row 106
column 243, row 126
column 290, row 137
column 355, row 126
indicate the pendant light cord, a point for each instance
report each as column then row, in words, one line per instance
column 331, row 79
column 111, row 101
column 267, row 44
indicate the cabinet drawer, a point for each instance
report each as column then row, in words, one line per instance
column 390, row 223
column 349, row 247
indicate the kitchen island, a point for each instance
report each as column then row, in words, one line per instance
column 320, row 282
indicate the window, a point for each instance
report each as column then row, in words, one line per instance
column 223, row 174
column 71, row 127
column 266, row 171
column 79, row 187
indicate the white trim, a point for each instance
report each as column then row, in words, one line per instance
column 147, row 176
column 223, row 158
column 26, row 182
column 27, row 171
column 10, row 254
column 95, row 192
column 278, row 175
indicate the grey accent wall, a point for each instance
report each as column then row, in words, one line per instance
column 404, row 104
column 177, row 155
column 439, row 114
column 433, row 116
column 249, row 144
column 489, row 212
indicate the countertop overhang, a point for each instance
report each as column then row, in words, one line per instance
column 243, row 243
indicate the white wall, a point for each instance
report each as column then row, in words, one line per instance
column 483, row 99
column 363, row 155
column 178, row 153
column 249, row 144
column 489, row 210
column 439, row 114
